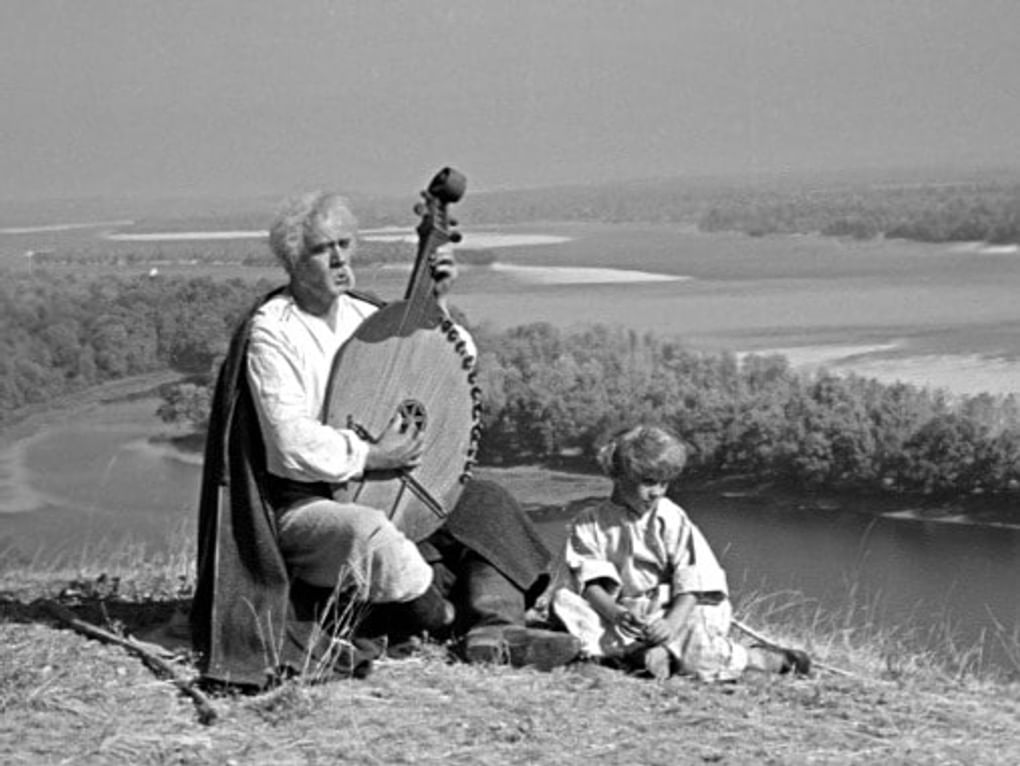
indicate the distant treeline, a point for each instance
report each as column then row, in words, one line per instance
column 374, row 253
column 953, row 213
column 958, row 211
column 548, row 392
column 155, row 254
column 242, row 252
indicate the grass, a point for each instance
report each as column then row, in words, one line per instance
column 66, row 698
column 851, row 637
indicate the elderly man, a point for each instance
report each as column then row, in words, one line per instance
column 274, row 545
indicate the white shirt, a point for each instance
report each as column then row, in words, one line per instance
column 290, row 356
column 640, row 552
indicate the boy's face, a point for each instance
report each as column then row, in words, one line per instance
column 641, row 495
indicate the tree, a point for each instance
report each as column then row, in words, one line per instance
column 943, row 457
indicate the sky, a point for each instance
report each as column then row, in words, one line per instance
column 117, row 98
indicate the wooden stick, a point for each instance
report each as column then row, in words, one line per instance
column 206, row 712
column 773, row 645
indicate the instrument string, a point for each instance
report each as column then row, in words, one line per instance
column 398, row 359
column 406, row 370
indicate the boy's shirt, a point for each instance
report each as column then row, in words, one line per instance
column 641, row 552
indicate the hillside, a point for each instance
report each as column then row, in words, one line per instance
column 67, row 699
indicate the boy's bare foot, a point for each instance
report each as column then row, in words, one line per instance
column 796, row 661
column 657, row 663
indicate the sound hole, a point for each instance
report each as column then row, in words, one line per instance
column 412, row 416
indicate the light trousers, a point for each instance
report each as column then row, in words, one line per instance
column 328, row 544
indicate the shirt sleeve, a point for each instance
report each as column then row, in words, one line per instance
column 306, row 448
column 585, row 555
column 696, row 569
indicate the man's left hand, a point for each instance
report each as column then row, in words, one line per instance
column 444, row 271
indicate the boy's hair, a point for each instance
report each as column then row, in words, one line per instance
column 643, row 452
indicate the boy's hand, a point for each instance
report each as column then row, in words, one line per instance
column 628, row 621
column 673, row 624
column 657, row 632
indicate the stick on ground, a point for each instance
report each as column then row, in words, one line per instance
column 772, row 644
column 206, row 712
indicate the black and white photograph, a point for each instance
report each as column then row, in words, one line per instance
column 477, row 382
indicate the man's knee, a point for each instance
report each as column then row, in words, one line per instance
column 324, row 542
column 329, row 522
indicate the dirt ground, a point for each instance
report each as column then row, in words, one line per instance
column 65, row 698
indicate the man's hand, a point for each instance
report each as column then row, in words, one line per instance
column 395, row 449
column 444, row 273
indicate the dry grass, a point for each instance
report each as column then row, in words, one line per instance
column 68, row 699
column 851, row 636
column 65, row 698
column 127, row 571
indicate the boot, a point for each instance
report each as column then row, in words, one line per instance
column 429, row 612
column 325, row 606
column 492, row 612
column 539, row 648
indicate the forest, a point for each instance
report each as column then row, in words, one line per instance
column 548, row 392
column 61, row 332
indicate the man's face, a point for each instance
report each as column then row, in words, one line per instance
column 325, row 267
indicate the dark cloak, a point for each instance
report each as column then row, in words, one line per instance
column 245, row 623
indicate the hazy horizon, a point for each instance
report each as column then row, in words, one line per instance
column 252, row 98
column 224, row 203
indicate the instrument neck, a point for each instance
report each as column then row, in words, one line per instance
column 420, row 295
column 421, row 286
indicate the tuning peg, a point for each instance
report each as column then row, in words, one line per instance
column 448, row 186
column 455, row 237
column 452, row 221
column 419, row 209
